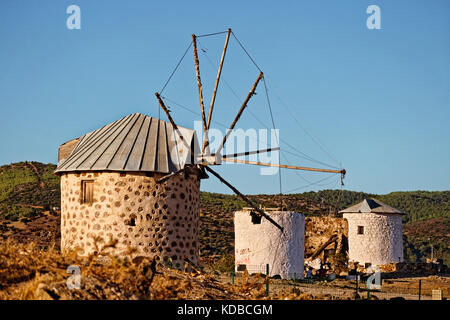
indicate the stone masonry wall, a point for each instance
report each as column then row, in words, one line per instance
column 381, row 242
column 319, row 229
column 157, row 219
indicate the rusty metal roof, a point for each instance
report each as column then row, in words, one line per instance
column 372, row 206
column 134, row 143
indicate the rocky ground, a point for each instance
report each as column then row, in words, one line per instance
column 43, row 230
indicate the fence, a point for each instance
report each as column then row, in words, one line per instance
column 339, row 288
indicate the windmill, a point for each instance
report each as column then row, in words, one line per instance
column 205, row 159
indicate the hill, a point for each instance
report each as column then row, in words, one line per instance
column 29, row 192
column 27, row 188
column 426, row 225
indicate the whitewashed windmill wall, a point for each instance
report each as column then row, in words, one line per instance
column 374, row 233
column 261, row 243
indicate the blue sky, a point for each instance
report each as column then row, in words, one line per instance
column 377, row 100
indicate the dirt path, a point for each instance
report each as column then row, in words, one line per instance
column 36, row 173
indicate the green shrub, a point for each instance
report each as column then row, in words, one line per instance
column 224, row 264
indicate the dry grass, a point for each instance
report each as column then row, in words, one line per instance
column 23, row 268
column 28, row 272
column 411, row 285
column 252, row 287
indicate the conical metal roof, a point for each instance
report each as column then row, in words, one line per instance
column 371, row 206
column 134, row 143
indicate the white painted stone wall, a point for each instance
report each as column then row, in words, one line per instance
column 381, row 242
column 259, row 244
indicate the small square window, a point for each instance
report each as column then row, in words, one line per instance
column 256, row 218
column 360, row 230
column 87, row 191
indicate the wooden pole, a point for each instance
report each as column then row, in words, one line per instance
column 175, row 128
column 283, row 166
column 262, row 213
column 163, row 106
column 234, row 155
column 420, row 289
column 213, row 99
column 199, row 81
column 295, row 280
column 250, row 94
column 322, row 247
column 170, row 175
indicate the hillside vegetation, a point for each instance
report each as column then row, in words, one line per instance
column 28, row 189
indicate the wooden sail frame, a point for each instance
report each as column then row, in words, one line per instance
column 207, row 159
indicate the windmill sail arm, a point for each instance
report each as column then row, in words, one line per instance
column 247, row 153
column 343, row 172
column 216, row 85
column 216, row 158
column 262, row 213
column 219, row 72
column 175, row 127
column 170, row 175
column 199, row 81
column 244, row 105
column 166, row 111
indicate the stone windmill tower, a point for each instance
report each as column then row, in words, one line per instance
column 137, row 181
column 374, row 233
column 114, row 186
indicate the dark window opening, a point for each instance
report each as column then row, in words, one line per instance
column 360, row 230
column 241, row 267
column 256, row 218
column 87, row 191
